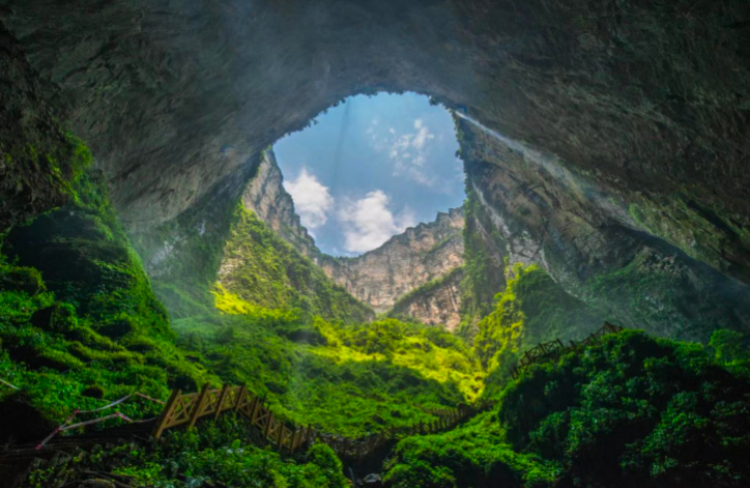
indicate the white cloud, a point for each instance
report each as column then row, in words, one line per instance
column 409, row 152
column 312, row 200
column 367, row 223
column 423, row 135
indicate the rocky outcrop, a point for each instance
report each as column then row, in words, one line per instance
column 38, row 160
column 435, row 303
column 404, row 263
column 541, row 211
column 265, row 195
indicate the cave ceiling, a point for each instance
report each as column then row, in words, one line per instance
column 647, row 103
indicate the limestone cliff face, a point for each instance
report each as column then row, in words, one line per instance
column 265, row 195
column 435, row 303
column 650, row 99
column 404, row 263
column 537, row 210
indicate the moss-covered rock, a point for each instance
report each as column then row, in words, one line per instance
column 531, row 309
column 86, row 260
column 60, row 317
column 27, row 280
column 84, row 313
column 39, row 159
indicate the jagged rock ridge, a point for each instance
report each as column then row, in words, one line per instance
column 404, row 263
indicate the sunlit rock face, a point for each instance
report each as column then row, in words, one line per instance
column 265, row 195
column 407, row 261
column 649, row 102
column 380, row 277
column 436, row 303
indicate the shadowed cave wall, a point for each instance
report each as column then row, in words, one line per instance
column 646, row 103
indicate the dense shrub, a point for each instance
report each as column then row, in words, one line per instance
column 214, row 451
column 635, row 411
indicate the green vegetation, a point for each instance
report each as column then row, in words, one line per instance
column 263, row 269
column 219, row 452
column 633, row 411
column 77, row 313
column 531, row 309
column 483, row 273
column 277, row 324
column 347, row 379
column 80, row 326
column 473, row 455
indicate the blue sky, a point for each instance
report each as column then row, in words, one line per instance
column 370, row 168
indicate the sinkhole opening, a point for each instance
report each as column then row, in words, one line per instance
column 370, row 168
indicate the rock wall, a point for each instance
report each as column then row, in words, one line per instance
column 38, row 160
column 541, row 211
column 404, row 263
column 265, row 195
column 647, row 103
column 435, row 303
column 650, row 99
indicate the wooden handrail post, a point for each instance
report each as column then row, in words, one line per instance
column 280, row 436
column 198, row 406
column 161, row 421
column 256, row 408
column 240, row 397
column 269, row 423
column 295, row 437
column 222, row 398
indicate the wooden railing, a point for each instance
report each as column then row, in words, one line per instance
column 185, row 410
column 550, row 350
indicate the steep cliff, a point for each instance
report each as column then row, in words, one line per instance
column 540, row 210
column 646, row 100
column 650, row 99
column 405, row 262
column 437, row 302
column 224, row 248
column 261, row 269
column 266, row 197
